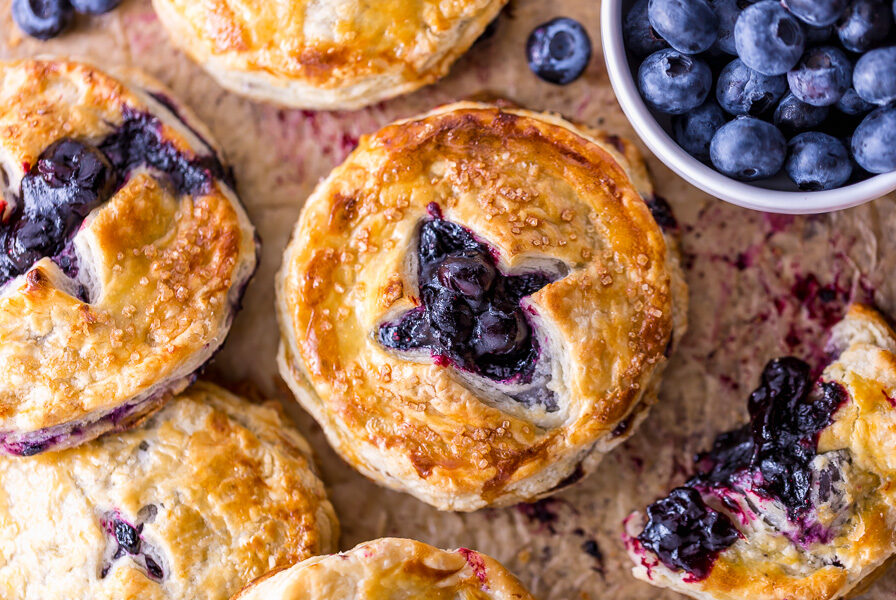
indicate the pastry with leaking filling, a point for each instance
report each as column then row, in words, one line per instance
column 478, row 303
column 801, row 502
column 326, row 54
column 207, row 494
column 391, row 569
column 125, row 252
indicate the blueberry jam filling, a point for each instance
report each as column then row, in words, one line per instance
column 773, row 454
column 71, row 178
column 470, row 317
column 125, row 539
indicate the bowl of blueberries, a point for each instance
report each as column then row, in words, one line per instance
column 777, row 105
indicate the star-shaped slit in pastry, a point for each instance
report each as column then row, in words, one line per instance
column 126, row 540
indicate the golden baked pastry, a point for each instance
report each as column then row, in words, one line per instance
column 338, row 54
column 800, row 504
column 125, row 252
column 477, row 304
column 208, row 494
column 391, row 569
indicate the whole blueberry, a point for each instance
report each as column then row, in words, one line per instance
column 817, row 161
column 821, row 77
column 690, row 26
column 853, row 104
column 559, row 50
column 728, row 12
column 817, row 12
column 742, row 91
column 864, row 24
column 694, row 130
column 875, row 76
column 768, row 38
column 640, row 38
column 818, row 35
column 470, row 276
column 874, row 141
column 748, row 149
column 499, row 333
column 794, row 115
column 672, row 82
column 94, row 7
column 43, row 19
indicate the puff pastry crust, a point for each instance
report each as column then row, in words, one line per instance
column 391, row 569
column 145, row 287
column 843, row 539
column 208, row 494
column 334, row 54
column 542, row 194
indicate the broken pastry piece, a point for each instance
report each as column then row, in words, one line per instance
column 801, row 502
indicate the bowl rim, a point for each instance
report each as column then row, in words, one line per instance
column 701, row 175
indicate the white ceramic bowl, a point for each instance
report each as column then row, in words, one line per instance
column 778, row 195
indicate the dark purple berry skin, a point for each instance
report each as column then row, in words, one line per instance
column 694, row 130
column 94, row 7
column 742, row 91
column 768, row 38
column 875, row 76
column 728, row 12
column 818, row 13
column 559, row 50
column 864, row 25
column 640, row 38
column 818, row 161
column 852, row 104
column 674, row 83
column 821, row 77
column 690, row 26
column 793, row 115
column 874, row 141
column 42, row 19
column 748, row 149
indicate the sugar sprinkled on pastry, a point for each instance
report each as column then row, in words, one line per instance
column 391, row 569
column 336, row 54
column 208, row 494
column 125, row 252
column 478, row 303
column 799, row 503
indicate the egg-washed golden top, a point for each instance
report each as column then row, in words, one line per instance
column 327, row 43
column 224, row 490
column 532, row 187
column 166, row 268
column 391, row 569
column 859, row 521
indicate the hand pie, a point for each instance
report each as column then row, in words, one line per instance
column 391, row 569
column 478, row 304
column 208, row 494
column 801, row 502
column 125, row 252
column 335, row 54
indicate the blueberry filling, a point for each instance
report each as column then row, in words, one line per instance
column 470, row 315
column 71, row 178
column 773, row 453
column 125, row 539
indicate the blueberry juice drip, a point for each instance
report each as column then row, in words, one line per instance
column 774, row 453
column 71, row 178
column 470, row 315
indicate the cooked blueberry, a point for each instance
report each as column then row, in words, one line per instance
column 821, row 77
column 690, row 26
column 817, row 12
column 742, row 91
column 94, row 7
column 640, row 38
column 768, row 38
column 449, row 315
column 153, row 569
column 817, row 161
column 853, row 104
column 499, row 333
column 43, row 19
column 728, row 11
column 559, row 50
column 470, row 276
column 875, row 76
column 128, row 537
column 673, row 82
column 748, row 149
column 694, row 130
column 793, row 115
column 686, row 534
column 864, row 24
column 874, row 141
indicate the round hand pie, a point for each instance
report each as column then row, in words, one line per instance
column 801, row 502
column 391, row 569
column 478, row 303
column 125, row 252
column 208, row 494
column 332, row 54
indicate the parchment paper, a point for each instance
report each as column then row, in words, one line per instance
column 761, row 286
